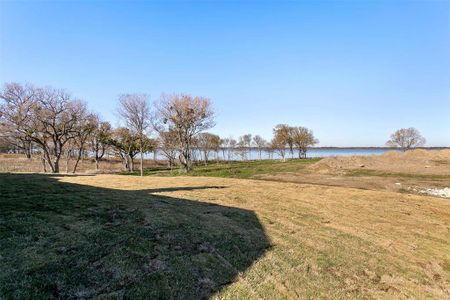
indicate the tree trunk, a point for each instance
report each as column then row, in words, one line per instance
column 126, row 164
column 206, row 157
column 131, row 164
column 77, row 161
column 96, row 163
column 44, row 167
column 48, row 159
column 56, row 165
column 142, row 162
column 67, row 161
column 27, row 149
column 184, row 162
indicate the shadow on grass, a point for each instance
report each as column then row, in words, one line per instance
column 61, row 240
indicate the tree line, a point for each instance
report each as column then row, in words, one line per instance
column 58, row 127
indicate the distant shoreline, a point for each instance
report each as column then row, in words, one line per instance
column 378, row 148
column 357, row 148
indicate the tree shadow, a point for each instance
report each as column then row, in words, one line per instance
column 63, row 240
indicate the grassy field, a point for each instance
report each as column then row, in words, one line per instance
column 112, row 236
column 235, row 169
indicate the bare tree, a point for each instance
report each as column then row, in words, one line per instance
column 282, row 138
column 169, row 146
column 243, row 146
column 260, row 143
column 135, row 111
column 53, row 123
column 99, row 139
column 278, row 144
column 126, row 145
column 303, row 138
column 228, row 146
column 270, row 150
column 86, row 126
column 5, row 145
column 406, row 138
column 187, row 116
column 16, row 114
column 283, row 133
column 208, row 142
column 215, row 146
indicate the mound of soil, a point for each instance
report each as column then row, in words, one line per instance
column 435, row 162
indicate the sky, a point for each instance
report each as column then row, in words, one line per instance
column 352, row 71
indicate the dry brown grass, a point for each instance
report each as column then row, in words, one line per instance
column 327, row 242
column 19, row 163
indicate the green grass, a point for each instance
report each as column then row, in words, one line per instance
column 368, row 172
column 61, row 240
column 236, row 169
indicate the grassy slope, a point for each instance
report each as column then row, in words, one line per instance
column 243, row 169
column 73, row 241
column 187, row 237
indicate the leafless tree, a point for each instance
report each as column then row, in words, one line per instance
column 303, row 138
column 16, row 114
column 169, row 146
column 125, row 145
column 244, row 146
column 86, row 126
column 278, row 144
column 260, row 143
column 228, row 146
column 135, row 111
column 187, row 116
column 215, row 146
column 5, row 145
column 270, row 150
column 406, row 138
column 99, row 139
column 53, row 123
column 283, row 133
column 207, row 142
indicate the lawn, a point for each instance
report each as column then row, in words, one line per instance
column 113, row 236
column 234, row 169
column 63, row 240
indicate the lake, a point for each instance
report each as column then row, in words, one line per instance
column 312, row 153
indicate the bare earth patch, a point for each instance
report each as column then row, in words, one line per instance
column 412, row 172
column 431, row 162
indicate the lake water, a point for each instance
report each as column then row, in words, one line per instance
column 312, row 153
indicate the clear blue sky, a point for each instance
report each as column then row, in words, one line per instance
column 353, row 71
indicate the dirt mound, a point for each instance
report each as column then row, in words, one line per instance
column 417, row 161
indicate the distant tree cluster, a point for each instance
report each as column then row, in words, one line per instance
column 56, row 126
column 292, row 138
column 406, row 138
column 285, row 139
column 46, row 118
